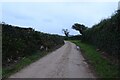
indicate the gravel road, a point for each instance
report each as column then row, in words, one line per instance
column 65, row 62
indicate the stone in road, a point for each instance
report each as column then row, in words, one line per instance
column 65, row 62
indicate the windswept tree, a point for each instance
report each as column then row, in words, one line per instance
column 66, row 32
column 79, row 27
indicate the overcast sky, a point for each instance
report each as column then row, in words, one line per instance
column 52, row 17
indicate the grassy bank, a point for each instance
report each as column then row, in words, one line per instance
column 102, row 67
column 24, row 62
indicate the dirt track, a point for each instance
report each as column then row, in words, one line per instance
column 65, row 62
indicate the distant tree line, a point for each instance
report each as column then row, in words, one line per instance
column 72, row 37
column 20, row 42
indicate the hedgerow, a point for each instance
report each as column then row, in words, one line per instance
column 21, row 42
column 105, row 35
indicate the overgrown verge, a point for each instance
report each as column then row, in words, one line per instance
column 24, row 62
column 7, row 71
column 102, row 67
column 20, row 47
